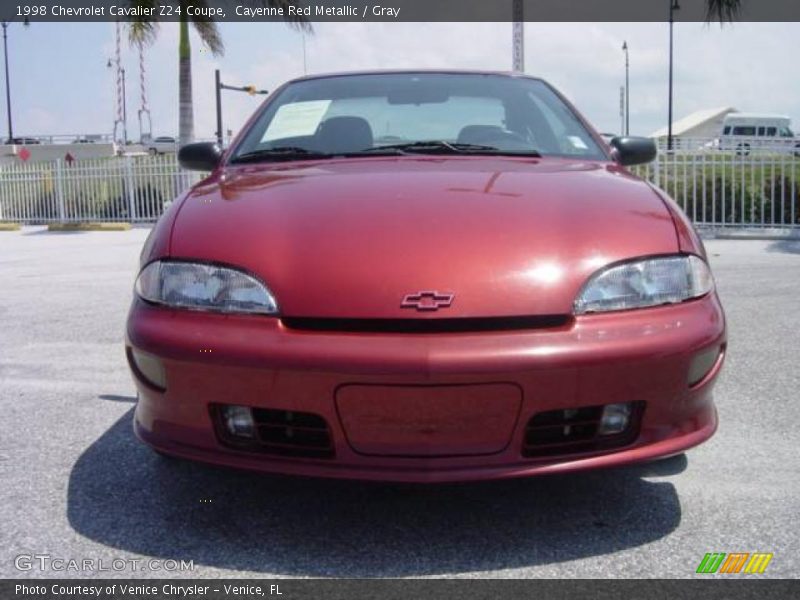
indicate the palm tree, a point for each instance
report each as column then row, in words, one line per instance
column 144, row 30
column 724, row 11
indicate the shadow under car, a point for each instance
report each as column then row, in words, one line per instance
column 125, row 496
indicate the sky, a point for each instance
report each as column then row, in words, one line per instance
column 61, row 85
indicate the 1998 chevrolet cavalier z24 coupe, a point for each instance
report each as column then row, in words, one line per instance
column 423, row 276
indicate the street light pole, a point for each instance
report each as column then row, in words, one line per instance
column 8, row 81
column 124, row 111
column 673, row 6
column 627, row 90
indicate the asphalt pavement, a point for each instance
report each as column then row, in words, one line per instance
column 76, row 484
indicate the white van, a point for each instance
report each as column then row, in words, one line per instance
column 746, row 132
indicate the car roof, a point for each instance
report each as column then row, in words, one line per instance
column 509, row 74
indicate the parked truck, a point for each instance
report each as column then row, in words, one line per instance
column 744, row 133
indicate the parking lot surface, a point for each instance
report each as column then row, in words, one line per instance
column 76, row 484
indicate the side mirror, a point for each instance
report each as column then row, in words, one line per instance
column 633, row 150
column 201, row 156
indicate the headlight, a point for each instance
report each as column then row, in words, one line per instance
column 648, row 282
column 204, row 287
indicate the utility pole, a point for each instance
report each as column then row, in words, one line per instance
column 673, row 6
column 124, row 111
column 5, row 25
column 622, row 110
column 627, row 91
column 518, row 38
column 8, row 82
column 218, row 95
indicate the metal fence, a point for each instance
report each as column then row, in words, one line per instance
column 129, row 188
column 747, row 188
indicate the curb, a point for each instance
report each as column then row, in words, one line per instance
column 9, row 227
column 88, row 226
column 764, row 237
column 767, row 234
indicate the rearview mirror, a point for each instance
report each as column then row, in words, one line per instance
column 200, row 156
column 633, row 150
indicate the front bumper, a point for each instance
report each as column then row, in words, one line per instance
column 636, row 356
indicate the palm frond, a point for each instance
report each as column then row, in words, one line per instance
column 209, row 34
column 143, row 31
column 724, row 11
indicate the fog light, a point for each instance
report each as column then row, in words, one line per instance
column 701, row 364
column 615, row 419
column 149, row 367
column 239, row 421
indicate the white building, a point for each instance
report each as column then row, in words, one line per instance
column 698, row 125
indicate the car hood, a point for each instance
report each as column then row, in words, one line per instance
column 351, row 238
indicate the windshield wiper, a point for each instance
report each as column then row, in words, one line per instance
column 279, row 153
column 423, row 147
column 444, row 147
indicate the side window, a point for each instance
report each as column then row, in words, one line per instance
column 772, row 131
column 760, row 131
column 744, row 130
column 727, row 130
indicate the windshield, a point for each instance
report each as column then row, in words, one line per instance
column 419, row 113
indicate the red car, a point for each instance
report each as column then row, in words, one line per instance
column 423, row 276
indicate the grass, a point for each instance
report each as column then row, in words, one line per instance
column 89, row 226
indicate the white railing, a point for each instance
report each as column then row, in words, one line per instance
column 759, row 188
column 129, row 188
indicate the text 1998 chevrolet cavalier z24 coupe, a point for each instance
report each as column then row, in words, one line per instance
column 426, row 277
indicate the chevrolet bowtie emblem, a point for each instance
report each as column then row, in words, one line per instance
column 427, row 300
